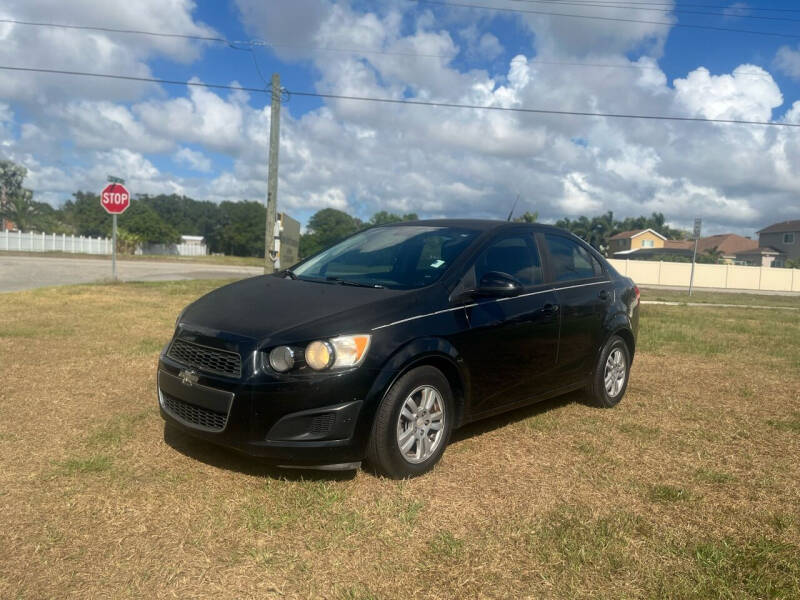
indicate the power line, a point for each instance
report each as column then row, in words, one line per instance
column 232, row 43
column 542, row 111
column 407, row 102
column 250, row 44
column 682, row 4
column 676, row 9
column 614, row 19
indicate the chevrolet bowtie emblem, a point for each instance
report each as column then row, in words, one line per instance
column 188, row 377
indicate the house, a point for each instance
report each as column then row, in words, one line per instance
column 729, row 244
column 637, row 239
column 760, row 257
column 783, row 237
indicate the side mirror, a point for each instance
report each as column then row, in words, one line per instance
column 496, row 284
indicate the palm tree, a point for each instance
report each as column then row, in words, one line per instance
column 20, row 210
column 715, row 254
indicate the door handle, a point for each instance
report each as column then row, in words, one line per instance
column 550, row 309
column 603, row 295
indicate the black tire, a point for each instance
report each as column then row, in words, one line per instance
column 383, row 450
column 597, row 390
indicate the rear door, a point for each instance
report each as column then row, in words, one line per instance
column 511, row 345
column 584, row 294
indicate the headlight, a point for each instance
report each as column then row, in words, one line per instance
column 281, row 358
column 319, row 355
column 350, row 350
column 180, row 316
column 338, row 353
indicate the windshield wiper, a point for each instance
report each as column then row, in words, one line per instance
column 354, row 283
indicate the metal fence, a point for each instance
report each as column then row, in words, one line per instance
column 52, row 242
column 734, row 277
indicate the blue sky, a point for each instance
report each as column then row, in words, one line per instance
column 211, row 144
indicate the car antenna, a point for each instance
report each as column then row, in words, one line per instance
column 513, row 206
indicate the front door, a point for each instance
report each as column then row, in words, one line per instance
column 512, row 343
column 584, row 293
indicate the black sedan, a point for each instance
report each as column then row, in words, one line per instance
column 380, row 346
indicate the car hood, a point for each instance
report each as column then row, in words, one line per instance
column 277, row 310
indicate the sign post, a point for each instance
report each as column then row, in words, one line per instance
column 116, row 200
column 698, row 225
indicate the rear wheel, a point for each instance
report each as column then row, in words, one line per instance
column 610, row 378
column 412, row 425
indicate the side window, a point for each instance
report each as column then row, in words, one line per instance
column 570, row 260
column 513, row 254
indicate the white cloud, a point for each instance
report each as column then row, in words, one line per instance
column 196, row 161
column 787, row 60
column 748, row 93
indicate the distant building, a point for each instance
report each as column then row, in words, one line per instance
column 729, row 244
column 191, row 245
column 733, row 248
column 782, row 237
column 760, row 257
column 637, row 239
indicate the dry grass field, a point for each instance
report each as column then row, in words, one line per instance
column 689, row 489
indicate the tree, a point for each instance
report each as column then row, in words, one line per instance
column 528, row 217
column 325, row 228
column 240, row 229
column 714, row 254
column 385, row 218
column 86, row 216
column 793, row 263
column 142, row 221
column 20, row 209
column 13, row 199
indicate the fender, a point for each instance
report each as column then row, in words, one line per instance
column 615, row 323
column 415, row 352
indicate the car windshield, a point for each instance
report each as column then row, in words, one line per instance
column 399, row 257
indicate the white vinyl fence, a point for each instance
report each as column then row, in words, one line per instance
column 174, row 249
column 735, row 277
column 53, row 242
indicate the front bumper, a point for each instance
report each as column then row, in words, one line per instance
column 320, row 420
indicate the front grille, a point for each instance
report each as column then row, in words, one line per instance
column 323, row 423
column 211, row 360
column 196, row 415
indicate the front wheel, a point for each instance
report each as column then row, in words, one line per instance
column 412, row 425
column 610, row 378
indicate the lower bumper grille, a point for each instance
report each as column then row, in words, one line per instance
column 198, row 416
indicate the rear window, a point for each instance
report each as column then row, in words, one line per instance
column 571, row 261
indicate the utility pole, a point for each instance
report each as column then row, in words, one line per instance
column 698, row 223
column 270, row 254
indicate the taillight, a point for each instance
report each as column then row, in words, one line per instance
column 636, row 291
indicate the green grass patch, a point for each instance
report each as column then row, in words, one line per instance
column 97, row 463
column 752, row 568
column 639, row 431
column 445, row 545
column 667, row 493
column 712, row 476
column 114, row 433
column 570, row 540
column 791, row 424
column 356, row 592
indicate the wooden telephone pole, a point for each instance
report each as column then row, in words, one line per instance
column 270, row 253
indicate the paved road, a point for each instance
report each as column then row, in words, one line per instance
column 27, row 272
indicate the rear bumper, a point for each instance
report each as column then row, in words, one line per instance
column 311, row 421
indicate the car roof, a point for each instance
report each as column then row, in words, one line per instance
column 477, row 224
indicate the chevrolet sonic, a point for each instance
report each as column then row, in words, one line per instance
column 380, row 346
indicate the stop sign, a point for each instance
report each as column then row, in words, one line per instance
column 115, row 198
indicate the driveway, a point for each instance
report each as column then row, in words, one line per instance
column 27, row 272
